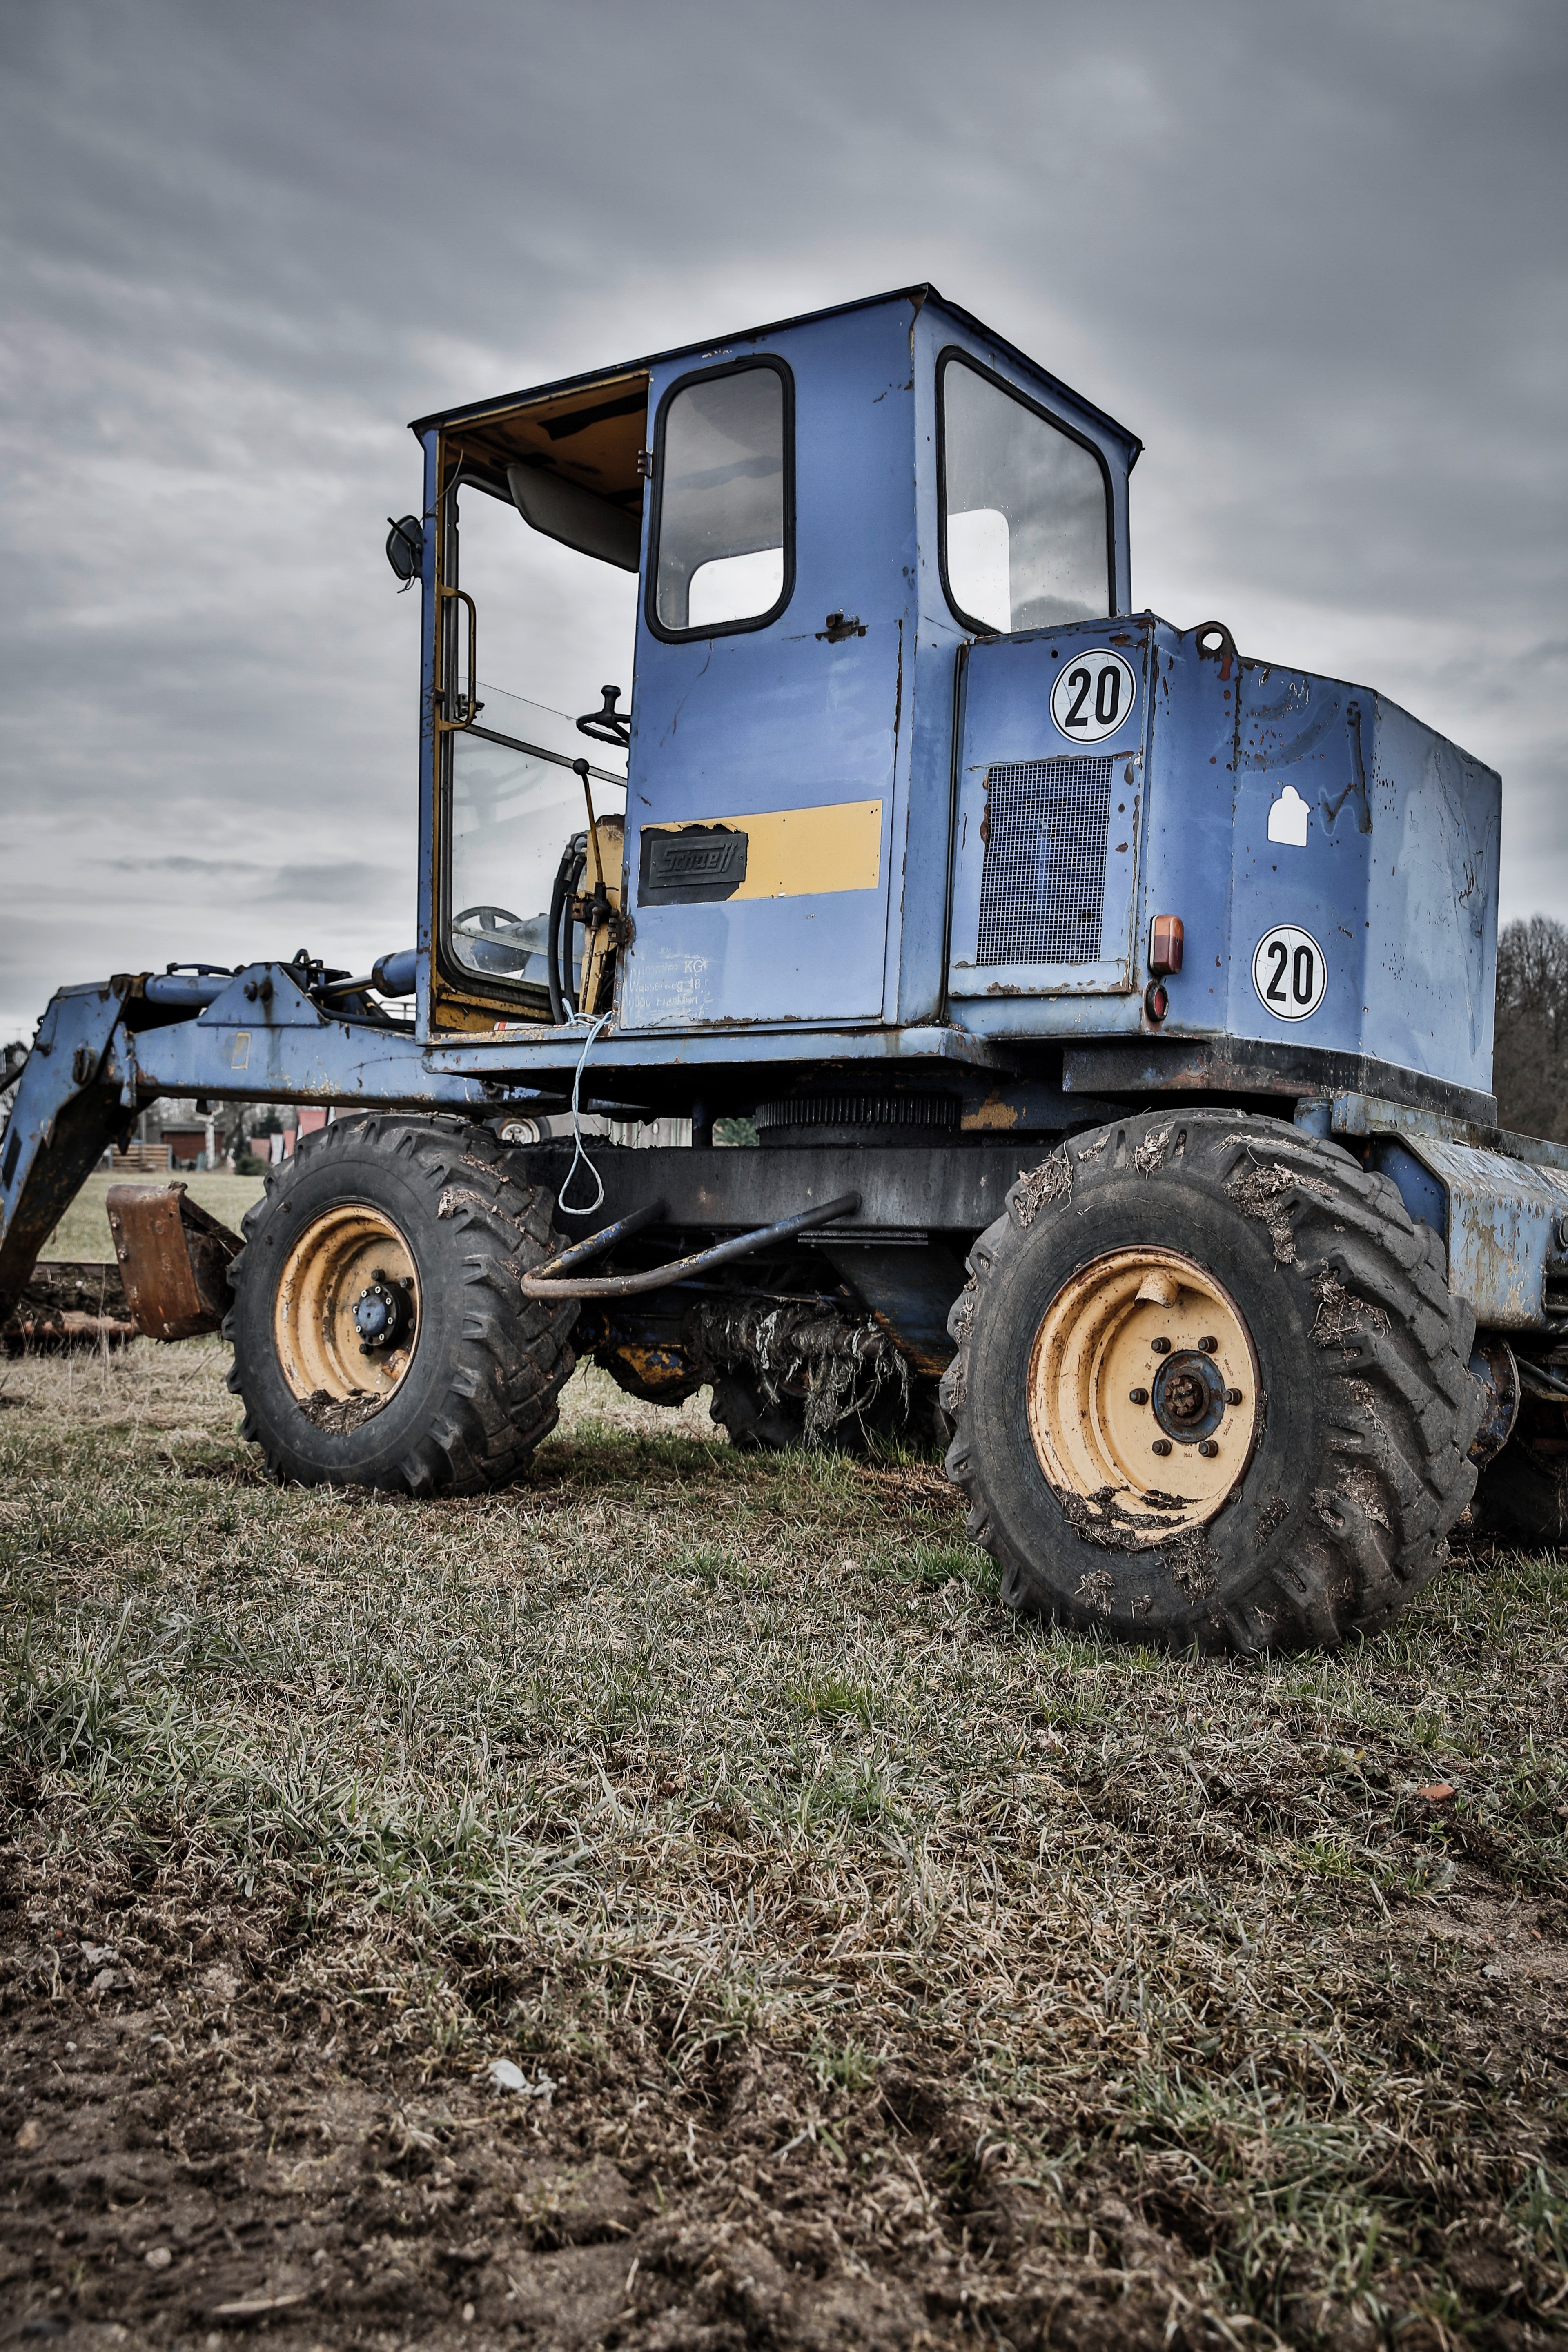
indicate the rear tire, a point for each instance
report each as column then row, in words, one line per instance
column 1521, row 1497
column 1332, row 1466
column 460, row 1402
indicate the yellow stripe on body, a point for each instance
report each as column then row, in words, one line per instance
column 802, row 853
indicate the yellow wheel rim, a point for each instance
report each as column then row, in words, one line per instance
column 342, row 1258
column 1144, row 1393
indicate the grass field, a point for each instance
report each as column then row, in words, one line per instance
column 875, row 1969
column 83, row 1231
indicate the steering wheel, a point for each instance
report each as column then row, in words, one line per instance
column 481, row 948
column 488, row 918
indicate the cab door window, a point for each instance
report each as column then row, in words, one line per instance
column 1026, row 508
column 724, row 529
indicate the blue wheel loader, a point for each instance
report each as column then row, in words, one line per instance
column 1112, row 1013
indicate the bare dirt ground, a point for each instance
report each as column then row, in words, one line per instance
column 869, row 1969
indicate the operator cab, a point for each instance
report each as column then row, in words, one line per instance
column 817, row 515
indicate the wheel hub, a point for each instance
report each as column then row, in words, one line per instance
column 382, row 1313
column 346, row 1320
column 1144, row 1393
column 1187, row 1398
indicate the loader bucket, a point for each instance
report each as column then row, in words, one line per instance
column 173, row 1260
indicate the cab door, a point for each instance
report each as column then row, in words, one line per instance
column 759, row 806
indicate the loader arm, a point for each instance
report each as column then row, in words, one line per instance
column 108, row 1049
column 63, row 1115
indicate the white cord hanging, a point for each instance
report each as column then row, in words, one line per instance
column 578, row 1152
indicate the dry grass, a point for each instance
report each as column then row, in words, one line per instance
column 1054, row 1993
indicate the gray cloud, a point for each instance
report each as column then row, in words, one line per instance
column 1312, row 256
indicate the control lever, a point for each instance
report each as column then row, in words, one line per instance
column 597, row 911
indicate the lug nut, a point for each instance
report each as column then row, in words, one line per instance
column 1208, row 1346
column 1208, row 1449
column 1233, row 1396
column 1161, row 1346
column 1161, row 1445
column 1137, row 1396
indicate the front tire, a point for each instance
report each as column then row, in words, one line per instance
column 410, row 1232
column 1211, row 1389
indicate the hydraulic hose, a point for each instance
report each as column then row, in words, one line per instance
column 546, row 1282
column 568, row 873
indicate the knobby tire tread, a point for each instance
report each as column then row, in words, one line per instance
column 1397, row 1414
column 500, row 1397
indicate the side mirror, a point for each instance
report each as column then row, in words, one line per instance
column 405, row 549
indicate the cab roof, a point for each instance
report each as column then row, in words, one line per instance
column 628, row 371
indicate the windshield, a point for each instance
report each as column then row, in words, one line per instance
column 516, row 809
column 1024, row 537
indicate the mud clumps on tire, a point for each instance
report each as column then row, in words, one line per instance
column 340, row 1414
column 1262, row 1194
column 1191, row 1564
column 1341, row 1314
column 1150, row 1155
column 1051, row 1181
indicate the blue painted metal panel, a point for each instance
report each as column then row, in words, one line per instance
column 1432, row 860
column 774, row 719
column 553, row 1053
column 780, row 717
column 918, row 915
column 1422, row 1192
column 334, row 1062
column 1007, row 722
column 59, row 1121
column 1507, row 1222
column 1396, row 880
column 1391, row 874
column 1187, row 862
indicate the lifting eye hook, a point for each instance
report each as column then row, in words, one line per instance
column 1214, row 643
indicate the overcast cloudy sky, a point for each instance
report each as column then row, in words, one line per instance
column 1313, row 253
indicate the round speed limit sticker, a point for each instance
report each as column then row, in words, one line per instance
column 1092, row 696
column 1289, row 972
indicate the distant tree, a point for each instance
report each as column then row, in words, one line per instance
column 1530, row 1066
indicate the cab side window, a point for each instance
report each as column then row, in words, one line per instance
column 722, row 469
column 1026, row 510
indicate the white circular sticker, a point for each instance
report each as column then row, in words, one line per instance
column 1092, row 696
column 1289, row 972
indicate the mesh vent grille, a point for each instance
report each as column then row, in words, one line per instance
column 1042, row 887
